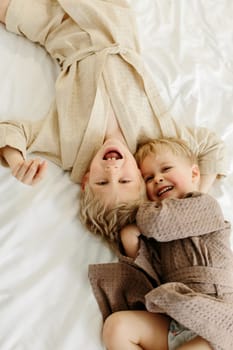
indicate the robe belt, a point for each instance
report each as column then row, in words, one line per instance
column 201, row 274
column 114, row 49
column 133, row 58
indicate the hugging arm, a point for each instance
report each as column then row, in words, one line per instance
column 211, row 158
column 130, row 240
column 206, row 182
column 174, row 219
column 210, row 151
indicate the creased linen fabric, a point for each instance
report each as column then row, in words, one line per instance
column 96, row 45
column 186, row 244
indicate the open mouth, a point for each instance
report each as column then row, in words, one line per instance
column 113, row 155
column 164, row 190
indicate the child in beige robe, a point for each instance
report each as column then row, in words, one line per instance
column 105, row 101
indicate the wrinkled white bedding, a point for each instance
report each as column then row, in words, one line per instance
column 46, row 302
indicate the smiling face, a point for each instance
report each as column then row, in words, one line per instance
column 114, row 176
column 168, row 175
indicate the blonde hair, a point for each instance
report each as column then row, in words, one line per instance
column 106, row 221
column 177, row 146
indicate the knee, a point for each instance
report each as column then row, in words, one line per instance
column 113, row 329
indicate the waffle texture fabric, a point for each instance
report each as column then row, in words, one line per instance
column 184, row 268
column 96, row 45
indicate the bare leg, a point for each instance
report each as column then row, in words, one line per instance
column 134, row 330
column 3, row 8
column 197, row 343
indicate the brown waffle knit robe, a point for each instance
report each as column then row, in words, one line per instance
column 184, row 269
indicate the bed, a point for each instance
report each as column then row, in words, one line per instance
column 46, row 302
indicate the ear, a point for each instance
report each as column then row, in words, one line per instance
column 195, row 173
column 84, row 181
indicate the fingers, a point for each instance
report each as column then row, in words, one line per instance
column 30, row 172
column 40, row 172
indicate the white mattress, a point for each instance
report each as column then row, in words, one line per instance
column 46, row 302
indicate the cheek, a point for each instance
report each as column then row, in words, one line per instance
column 150, row 191
column 133, row 171
column 182, row 182
column 133, row 165
column 95, row 166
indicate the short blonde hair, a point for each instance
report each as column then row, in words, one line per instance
column 177, row 146
column 106, row 221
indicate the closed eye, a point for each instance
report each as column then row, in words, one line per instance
column 101, row 183
column 167, row 168
column 148, row 178
column 124, row 181
column 105, row 182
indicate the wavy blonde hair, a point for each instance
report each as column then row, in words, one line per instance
column 177, row 146
column 106, row 221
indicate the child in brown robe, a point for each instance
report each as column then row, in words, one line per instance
column 182, row 243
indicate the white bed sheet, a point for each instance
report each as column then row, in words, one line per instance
column 46, row 302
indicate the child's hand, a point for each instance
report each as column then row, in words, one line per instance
column 130, row 240
column 30, row 172
column 27, row 171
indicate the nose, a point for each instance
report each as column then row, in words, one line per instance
column 111, row 167
column 158, row 179
column 112, row 172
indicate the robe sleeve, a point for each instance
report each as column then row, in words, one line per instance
column 40, row 136
column 37, row 20
column 34, row 19
column 208, row 147
column 174, row 219
column 17, row 135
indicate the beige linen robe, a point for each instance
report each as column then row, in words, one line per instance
column 184, row 269
column 95, row 43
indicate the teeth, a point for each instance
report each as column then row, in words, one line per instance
column 112, row 155
column 168, row 188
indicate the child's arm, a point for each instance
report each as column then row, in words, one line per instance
column 210, row 151
column 206, row 182
column 130, row 240
column 29, row 171
column 180, row 218
column 16, row 137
